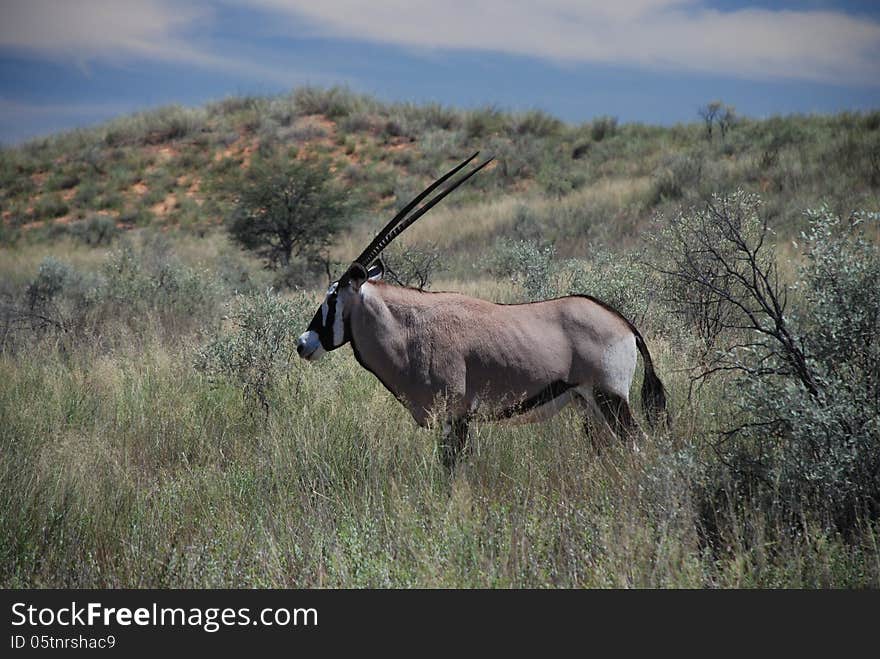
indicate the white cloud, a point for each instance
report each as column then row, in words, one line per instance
column 88, row 30
column 674, row 35
column 92, row 28
column 825, row 46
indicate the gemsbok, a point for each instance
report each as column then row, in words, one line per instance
column 462, row 355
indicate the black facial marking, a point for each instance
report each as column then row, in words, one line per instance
column 324, row 329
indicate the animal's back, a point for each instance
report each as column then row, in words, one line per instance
column 501, row 353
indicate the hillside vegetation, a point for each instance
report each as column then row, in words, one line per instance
column 158, row 430
column 178, row 167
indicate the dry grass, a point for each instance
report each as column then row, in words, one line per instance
column 123, row 467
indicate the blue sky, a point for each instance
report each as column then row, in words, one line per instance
column 69, row 63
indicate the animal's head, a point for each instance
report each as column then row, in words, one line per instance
column 329, row 328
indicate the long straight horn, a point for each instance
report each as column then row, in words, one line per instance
column 370, row 252
column 400, row 228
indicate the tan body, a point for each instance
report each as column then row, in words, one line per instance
column 478, row 356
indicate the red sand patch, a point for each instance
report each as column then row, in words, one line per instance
column 239, row 150
column 165, row 206
column 167, row 152
column 319, row 121
column 64, row 219
column 158, row 155
column 140, row 188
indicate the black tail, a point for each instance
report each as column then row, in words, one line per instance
column 653, row 392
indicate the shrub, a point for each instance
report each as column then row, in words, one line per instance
column 95, row 231
column 483, row 122
column 822, row 450
column 154, row 127
column 49, row 207
column 530, row 265
column 602, row 127
column 86, row 194
column 334, row 103
column 420, row 119
column 360, row 122
column 580, row 149
column 621, row 280
column 110, row 201
column 537, row 124
column 676, row 176
column 259, row 348
column 807, row 443
column 155, row 279
column 517, row 159
column 62, row 181
column 52, row 277
column 233, row 105
column 411, row 265
column 57, row 301
column 289, row 209
column 558, row 181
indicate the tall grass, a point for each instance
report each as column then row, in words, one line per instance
column 122, row 466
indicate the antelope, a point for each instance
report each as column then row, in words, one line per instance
column 518, row 362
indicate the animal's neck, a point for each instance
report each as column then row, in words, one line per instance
column 377, row 336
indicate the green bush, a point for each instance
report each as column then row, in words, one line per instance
column 334, row 103
column 86, row 194
column 62, row 181
column 621, row 280
column 530, row 265
column 484, row 122
column 95, row 231
column 411, row 265
column 603, row 127
column 57, row 301
column 557, row 180
column 804, row 359
column 289, row 209
column 537, row 124
column 678, row 176
column 52, row 277
column 49, row 207
column 154, row 127
column 258, row 349
column 153, row 279
column 826, row 450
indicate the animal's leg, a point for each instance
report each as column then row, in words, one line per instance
column 617, row 413
column 595, row 426
column 455, row 434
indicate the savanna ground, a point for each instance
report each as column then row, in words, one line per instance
column 157, row 429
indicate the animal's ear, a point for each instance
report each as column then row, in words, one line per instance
column 356, row 276
column 376, row 271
